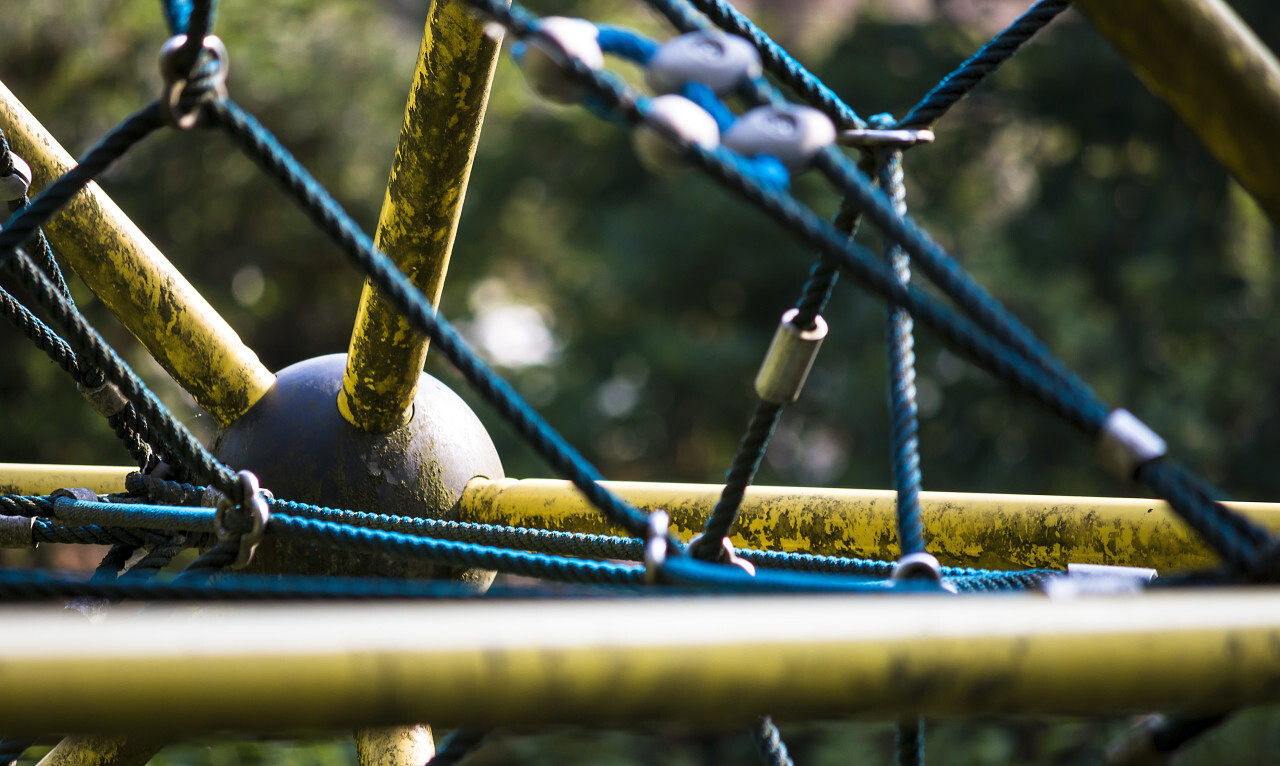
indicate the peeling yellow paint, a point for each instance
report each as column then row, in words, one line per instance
column 420, row 211
column 972, row 530
column 131, row 276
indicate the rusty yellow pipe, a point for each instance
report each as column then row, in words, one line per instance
column 711, row 661
column 30, row 479
column 962, row 529
column 130, row 275
column 1216, row 74
column 420, row 212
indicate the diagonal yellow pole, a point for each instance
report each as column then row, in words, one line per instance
column 420, row 213
column 1216, row 74
column 132, row 277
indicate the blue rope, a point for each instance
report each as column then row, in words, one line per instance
column 975, row 69
column 42, row 584
column 909, row 742
column 88, row 344
column 775, row 58
column 627, row 43
column 900, row 343
column 773, row 751
column 258, row 144
column 1024, row 364
column 146, row 516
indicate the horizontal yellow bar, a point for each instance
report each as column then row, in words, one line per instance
column 1213, row 70
column 707, row 661
column 131, row 276
column 30, row 479
column 962, row 529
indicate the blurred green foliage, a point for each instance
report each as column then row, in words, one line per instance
column 1072, row 193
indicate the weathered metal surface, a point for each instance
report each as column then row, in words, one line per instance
column 420, row 213
column 722, row 660
column 394, row 746
column 32, row 479
column 302, row 449
column 126, row 271
column 101, row 751
column 1217, row 75
column 976, row 530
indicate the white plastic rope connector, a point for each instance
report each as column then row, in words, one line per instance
column 792, row 134
column 789, row 358
column 1126, row 444
column 671, row 125
column 921, row 567
column 545, row 54
column 719, row 61
column 14, row 186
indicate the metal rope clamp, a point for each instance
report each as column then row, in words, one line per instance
column 921, row 568
column 885, row 138
column 106, row 399
column 1125, row 444
column 655, row 547
column 14, row 186
column 726, row 555
column 253, row 504
column 207, row 73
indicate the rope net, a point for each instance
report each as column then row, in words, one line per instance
column 719, row 97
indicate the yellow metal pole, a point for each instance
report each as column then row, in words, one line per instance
column 126, row 271
column 1216, row 74
column 29, row 479
column 712, row 661
column 975, row 530
column 420, row 213
column 86, row 750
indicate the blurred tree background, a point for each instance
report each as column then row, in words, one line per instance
column 632, row 310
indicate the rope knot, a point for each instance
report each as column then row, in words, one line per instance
column 193, row 76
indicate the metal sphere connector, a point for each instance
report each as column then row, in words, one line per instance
column 672, row 124
column 793, row 134
column 718, row 60
column 547, row 52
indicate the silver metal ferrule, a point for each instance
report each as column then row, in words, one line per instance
column 106, row 399
column 655, row 548
column 1127, row 443
column 786, row 365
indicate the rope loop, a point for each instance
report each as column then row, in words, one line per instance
column 243, row 518
column 188, row 89
column 724, row 554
